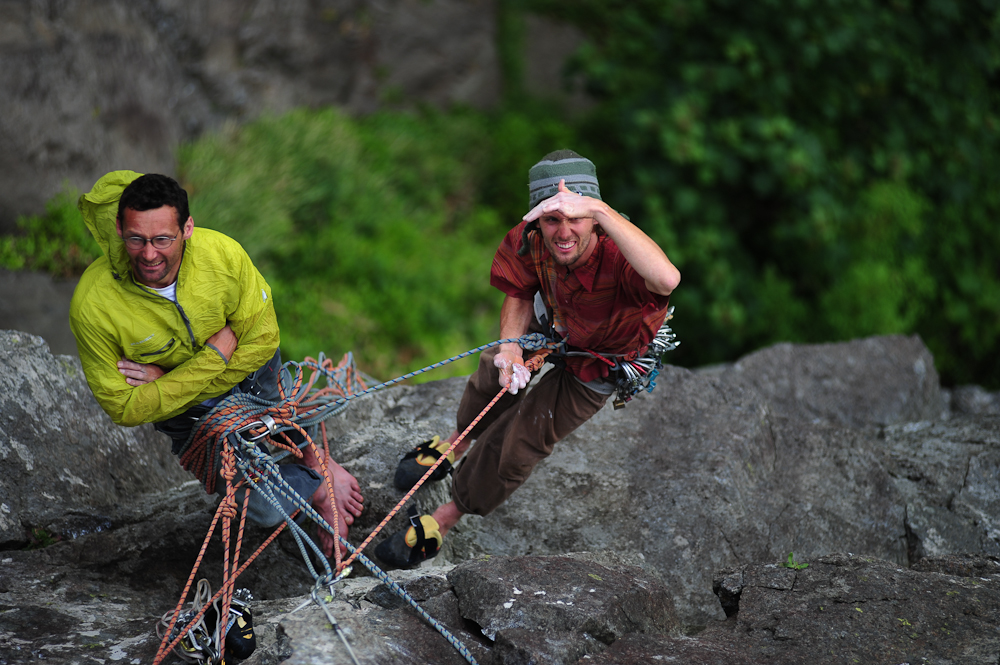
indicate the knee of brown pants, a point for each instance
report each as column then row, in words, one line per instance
column 523, row 449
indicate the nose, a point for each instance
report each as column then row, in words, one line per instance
column 149, row 252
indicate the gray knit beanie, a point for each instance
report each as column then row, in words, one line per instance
column 579, row 173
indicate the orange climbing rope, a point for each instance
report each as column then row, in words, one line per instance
column 194, row 459
column 532, row 364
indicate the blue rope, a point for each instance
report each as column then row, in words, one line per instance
column 249, row 407
column 399, row 591
column 253, row 462
column 268, row 473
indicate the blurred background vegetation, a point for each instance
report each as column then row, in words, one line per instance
column 819, row 170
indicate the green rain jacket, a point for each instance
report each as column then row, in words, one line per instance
column 112, row 316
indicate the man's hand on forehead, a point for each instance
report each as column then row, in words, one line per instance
column 565, row 204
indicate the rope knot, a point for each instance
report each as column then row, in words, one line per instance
column 228, row 506
column 228, row 464
column 533, row 341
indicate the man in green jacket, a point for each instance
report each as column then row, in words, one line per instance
column 173, row 318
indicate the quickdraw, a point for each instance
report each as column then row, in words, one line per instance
column 640, row 374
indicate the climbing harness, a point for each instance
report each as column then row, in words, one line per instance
column 631, row 376
column 243, row 438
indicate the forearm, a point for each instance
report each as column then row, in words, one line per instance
column 204, row 375
column 515, row 317
column 642, row 253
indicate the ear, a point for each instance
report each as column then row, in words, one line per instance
column 188, row 229
column 118, row 227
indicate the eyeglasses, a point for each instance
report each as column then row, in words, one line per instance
column 159, row 242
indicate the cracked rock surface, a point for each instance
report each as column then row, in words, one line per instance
column 727, row 469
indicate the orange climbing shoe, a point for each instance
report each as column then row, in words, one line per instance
column 415, row 463
column 407, row 548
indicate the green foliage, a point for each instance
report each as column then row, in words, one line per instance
column 790, row 563
column 373, row 233
column 56, row 242
column 40, row 538
column 818, row 170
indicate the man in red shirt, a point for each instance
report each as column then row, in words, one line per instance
column 603, row 284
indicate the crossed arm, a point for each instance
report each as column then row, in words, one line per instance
column 137, row 374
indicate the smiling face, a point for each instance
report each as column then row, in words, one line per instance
column 570, row 241
column 154, row 267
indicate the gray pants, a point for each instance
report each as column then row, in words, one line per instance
column 303, row 480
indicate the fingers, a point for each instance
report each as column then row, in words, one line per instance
column 566, row 202
column 519, row 379
column 503, row 362
column 134, row 373
column 513, row 374
column 125, row 364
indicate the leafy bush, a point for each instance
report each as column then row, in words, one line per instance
column 372, row 232
column 818, row 170
column 56, row 242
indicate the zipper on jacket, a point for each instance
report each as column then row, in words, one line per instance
column 176, row 303
column 162, row 349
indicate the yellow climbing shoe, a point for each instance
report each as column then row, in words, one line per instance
column 415, row 463
column 406, row 549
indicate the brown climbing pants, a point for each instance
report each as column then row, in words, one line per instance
column 516, row 434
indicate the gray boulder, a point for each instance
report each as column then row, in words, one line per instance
column 704, row 474
column 874, row 381
column 846, row 607
column 64, row 467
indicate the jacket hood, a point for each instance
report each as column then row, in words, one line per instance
column 99, row 208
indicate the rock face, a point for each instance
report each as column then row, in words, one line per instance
column 95, row 85
column 846, row 608
column 875, row 381
column 723, row 470
column 63, row 466
column 91, row 86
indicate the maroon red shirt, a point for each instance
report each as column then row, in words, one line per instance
column 602, row 306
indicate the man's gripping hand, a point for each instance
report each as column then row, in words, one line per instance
column 513, row 374
column 136, row 374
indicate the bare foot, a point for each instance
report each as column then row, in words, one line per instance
column 347, row 492
column 321, row 502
